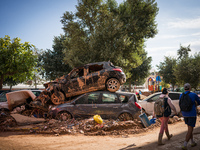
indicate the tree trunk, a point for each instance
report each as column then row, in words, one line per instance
column 10, row 87
column 129, row 85
column 173, row 87
column 35, row 83
column 1, row 82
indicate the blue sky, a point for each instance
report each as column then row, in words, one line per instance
column 38, row 21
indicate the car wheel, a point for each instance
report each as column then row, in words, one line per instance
column 63, row 116
column 58, row 99
column 125, row 117
column 112, row 85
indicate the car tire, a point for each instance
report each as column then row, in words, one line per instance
column 112, row 85
column 63, row 116
column 58, row 99
column 125, row 117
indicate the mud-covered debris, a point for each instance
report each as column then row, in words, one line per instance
column 90, row 127
column 18, row 109
column 174, row 119
column 6, row 121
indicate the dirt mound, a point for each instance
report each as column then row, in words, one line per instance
column 89, row 127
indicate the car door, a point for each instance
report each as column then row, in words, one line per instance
column 76, row 83
column 94, row 78
column 175, row 100
column 110, row 105
column 150, row 103
column 86, row 105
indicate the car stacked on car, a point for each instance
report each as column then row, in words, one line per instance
column 88, row 78
column 86, row 91
column 98, row 82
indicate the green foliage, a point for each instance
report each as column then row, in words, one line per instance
column 166, row 69
column 163, row 84
column 185, row 69
column 10, row 82
column 141, row 72
column 183, row 52
column 17, row 60
column 52, row 61
column 188, row 70
column 103, row 31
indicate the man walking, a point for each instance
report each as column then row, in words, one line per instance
column 190, row 115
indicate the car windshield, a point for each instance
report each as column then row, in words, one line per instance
column 3, row 97
column 152, row 97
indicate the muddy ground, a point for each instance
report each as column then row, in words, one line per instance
column 129, row 135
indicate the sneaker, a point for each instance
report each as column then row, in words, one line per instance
column 193, row 144
column 184, row 147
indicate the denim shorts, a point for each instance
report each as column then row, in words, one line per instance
column 190, row 121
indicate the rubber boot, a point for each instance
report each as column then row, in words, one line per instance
column 160, row 139
column 169, row 136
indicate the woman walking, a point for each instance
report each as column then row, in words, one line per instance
column 165, row 116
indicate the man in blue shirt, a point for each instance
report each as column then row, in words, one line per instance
column 190, row 116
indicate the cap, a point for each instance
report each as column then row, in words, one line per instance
column 187, row 86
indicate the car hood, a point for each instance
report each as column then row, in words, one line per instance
column 18, row 98
column 58, row 80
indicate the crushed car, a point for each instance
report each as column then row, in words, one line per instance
column 88, row 78
column 119, row 105
column 23, row 102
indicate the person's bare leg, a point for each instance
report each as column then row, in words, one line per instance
column 188, row 137
column 189, row 134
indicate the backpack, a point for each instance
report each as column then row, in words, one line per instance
column 185, row 102
column 159, row 106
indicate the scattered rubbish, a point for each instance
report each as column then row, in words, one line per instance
column 98, row 119
column 152, row 121
column 145, row 120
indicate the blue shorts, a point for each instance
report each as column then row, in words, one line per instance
column 190, row 121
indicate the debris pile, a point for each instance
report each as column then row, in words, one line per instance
column 6, row 121
column 90, row 127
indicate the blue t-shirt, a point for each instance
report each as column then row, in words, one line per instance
column 193, row 113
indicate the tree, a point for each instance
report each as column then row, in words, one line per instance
column 188, row 70
column 10, row 82
column 52, row 60
column 141, row 72
column 183, row 52
column 104, row 31
column 16, row 59
column 163, row 84
column 166, row 69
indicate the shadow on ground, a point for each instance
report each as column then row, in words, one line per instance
column 174, row 143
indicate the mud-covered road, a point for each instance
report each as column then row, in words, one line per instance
column 142, row 141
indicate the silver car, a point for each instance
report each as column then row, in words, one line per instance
column 148, row 103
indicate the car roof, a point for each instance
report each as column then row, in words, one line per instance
column 159, row 93
column 104, row 63
column 125, row 93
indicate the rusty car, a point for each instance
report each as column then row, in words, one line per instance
column 109, row 105
column 87, row 78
